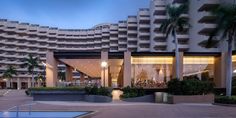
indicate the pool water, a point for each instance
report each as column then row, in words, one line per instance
column 42, row 114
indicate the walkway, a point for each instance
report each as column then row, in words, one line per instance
column 123, row 110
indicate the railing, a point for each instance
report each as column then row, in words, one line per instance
column 17, row 108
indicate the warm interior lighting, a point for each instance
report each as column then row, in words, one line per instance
column 234, row 58
column 152, row 60
column 198, row 60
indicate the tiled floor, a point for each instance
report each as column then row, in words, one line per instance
column 121, row 109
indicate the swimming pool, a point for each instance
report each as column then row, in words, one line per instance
column 42, row 114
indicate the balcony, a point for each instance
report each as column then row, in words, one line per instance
column 122, row 36
column 207, row 17
column 132, row 32
column 159, row 2
column 122, row 42
column 113, row 44
column 144, row 41
column 144, row 18
column 144, row 33
column 160, row 44
column 183, row 46
column 113, row 38
column 132, row 25
column 122, row 48
column 207, row 29
column 132, row 39
column 132, row 46
column 144, row 49
column 182, row 36
column 160, row 35
column 207, row 5
column 159, row 18
column 159, row 10
column 144, row 26
column 113, row 32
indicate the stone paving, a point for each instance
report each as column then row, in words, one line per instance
column 121, row 109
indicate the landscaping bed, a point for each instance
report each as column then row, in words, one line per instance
column 190, row 91
column 89, row 94
column 225, row 100
column 136, row 95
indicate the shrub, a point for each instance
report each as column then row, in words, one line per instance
column 225, row 99
column 174, row 87
column 189, row 87
column 27, row 92
column 129, row 92
column 94, row 90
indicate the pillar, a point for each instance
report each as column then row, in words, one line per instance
column 8, row 83
column 18, row 83
column 51, row 70
column 104, row 57
column 81, row 79
column 29, row 82
column 69, row 73
column 220, row 71
column 181, row 66
column 127, row 69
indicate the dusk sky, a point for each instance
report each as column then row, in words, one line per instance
column 70, row 13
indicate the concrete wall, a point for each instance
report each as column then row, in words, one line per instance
column 51, row 70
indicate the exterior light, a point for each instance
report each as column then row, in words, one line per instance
column 104, row 64
column 234, row 71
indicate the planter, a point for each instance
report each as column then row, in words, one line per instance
column 174, row 99
column 58, row 95
column 146, row 98
column 97, row 98
column 68, row 96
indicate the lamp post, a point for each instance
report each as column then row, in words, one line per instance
column 104, row 66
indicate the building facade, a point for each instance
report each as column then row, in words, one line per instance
column 147, row 55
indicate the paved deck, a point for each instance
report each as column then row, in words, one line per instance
column 122, row 109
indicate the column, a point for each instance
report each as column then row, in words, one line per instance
column 29, row 82
column 18, row 83
column 81, row 79
column 104, row 57
column 220, row 71
column 51, row 70
column 127, row 69
column 69, row 73
column 8, row 83
column 180, row 68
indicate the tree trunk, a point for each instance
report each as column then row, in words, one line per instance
column 176, row 56
column 11, row 83
column 229, row 68
column 32, row 82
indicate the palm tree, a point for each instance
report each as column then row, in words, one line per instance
column 31, row 63
column 173, row 24
column 226, row 28
column 9, row 73
column 62, row 75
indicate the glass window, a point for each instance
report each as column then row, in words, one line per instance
column 151, row 72
column 199, row 67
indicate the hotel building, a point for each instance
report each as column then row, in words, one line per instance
column 136, row 52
